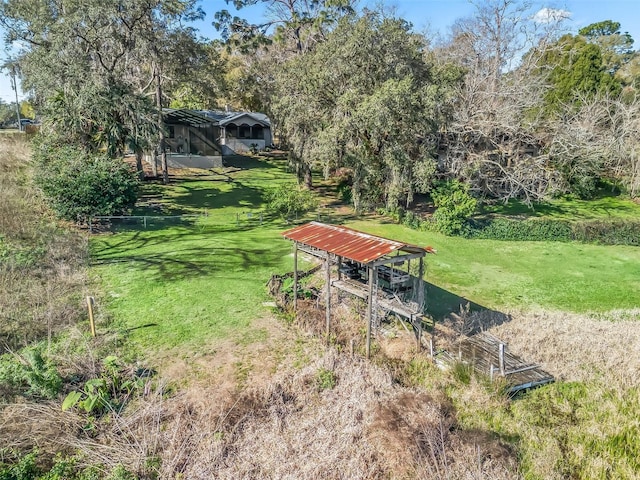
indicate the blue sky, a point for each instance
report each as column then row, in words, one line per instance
column 438, row 15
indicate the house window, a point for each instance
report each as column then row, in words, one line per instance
column 231, row 130
column 244, row 131
column 172, row 131
column 258, row 132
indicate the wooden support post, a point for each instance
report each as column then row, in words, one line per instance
column 327, row 279
column 418, row 319
column 145, row 221
column 421, row 285
column 491, row 372
column 92, row 323
column 501, row 358
column 431, row 347
column 339, row 267
column 370, row 309
column 295, row 276
column 90, row 224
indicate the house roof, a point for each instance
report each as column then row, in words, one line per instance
column 190, row 117
column 225, row 117
column 348, row 243
column 211, row 117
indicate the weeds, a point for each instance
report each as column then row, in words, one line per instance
column 42, row 266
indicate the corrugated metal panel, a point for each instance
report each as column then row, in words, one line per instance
column 346, row 242
column 187, row 116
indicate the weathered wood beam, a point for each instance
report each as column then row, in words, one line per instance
column 327, row 267
column 295, row 276
column 407, row 257
column 421, row 284
column 372, row 271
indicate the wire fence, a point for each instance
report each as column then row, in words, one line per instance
column 113, row 223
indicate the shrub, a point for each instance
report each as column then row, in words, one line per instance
column 30, row 374
column 325, row 379
column 623, row 232
column 454, row 206
column 290, row 201
column 522, row 230
column 79, row 185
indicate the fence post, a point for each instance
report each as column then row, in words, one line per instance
column 501, row 358
column 145, row 221
column 92, row 323
column 90, row 224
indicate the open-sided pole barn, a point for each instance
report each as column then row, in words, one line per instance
column 373, row 268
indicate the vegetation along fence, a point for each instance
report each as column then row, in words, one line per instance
column 101, row 223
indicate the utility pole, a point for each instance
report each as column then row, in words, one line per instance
column 14, row 87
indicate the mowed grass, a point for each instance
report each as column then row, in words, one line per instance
column 185, row 284
column 606, row 206
column 497, row 274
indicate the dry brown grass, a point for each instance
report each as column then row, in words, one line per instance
column 42, row 266
column 578, row 347
column 366, row 426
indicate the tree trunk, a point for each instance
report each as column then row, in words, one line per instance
column 154, row 166
column 163, row 149
column 139, row 167
column 306, row 171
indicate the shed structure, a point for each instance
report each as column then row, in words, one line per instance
column 374, row 268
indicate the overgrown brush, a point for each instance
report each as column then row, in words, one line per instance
column 360, row 425
column 584, row 425
column 42, row 265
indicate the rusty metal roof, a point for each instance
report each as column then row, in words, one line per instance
column 348, row 243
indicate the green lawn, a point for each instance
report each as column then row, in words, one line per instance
column 604, row 207
column 497, row 274
column 184, row 284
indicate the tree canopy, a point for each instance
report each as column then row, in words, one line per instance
column 374, row 110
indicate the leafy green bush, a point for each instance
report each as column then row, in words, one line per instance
column 522, row 230
column 30, row 466
column 79, row 185
column 110, row 391
column 30, row 374
column 289, row 201
column 326, row 379
column 24, row 469
column 454, row 207
column 622, row 232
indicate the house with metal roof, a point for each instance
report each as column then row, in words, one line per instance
column 201, row 138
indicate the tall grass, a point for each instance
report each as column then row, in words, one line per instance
column 42, row 266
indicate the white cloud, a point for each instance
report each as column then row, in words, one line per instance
column 548, row 15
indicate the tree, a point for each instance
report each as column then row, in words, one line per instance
column 299, row 24
column 576, row 70
column 7, row 112
column 375, row 112
column 492, row 139
column 616, row 48
column 93, row 65
column 79, row 185
column 597, row 141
